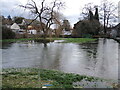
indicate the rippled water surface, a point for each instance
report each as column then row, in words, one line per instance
column 98, row 58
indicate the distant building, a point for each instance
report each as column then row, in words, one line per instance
column 117, row 28
column 33, row 26
column 31, row 30
column 17, row 29
column 64, row 32
column 29, row 22
column 115, row 31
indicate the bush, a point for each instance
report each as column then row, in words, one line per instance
column 7, row 33
column 86, row 27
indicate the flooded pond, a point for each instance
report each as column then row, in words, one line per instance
column 98, row 58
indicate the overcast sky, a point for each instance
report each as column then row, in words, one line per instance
column 71, row 12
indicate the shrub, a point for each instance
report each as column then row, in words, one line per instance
column 86, row 27
column 7, row 33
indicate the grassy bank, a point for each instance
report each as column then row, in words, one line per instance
column 67, row 40
column 78, row 40
column 14, row 40
column 29, row 78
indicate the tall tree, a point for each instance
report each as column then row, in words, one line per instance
column 58, row 23
column 107, row 13
column 45, row 13
column 91, row 17
column 9, row 17
column 108, row 10
column 88, row 8
column 66, row 25
column 96, row 14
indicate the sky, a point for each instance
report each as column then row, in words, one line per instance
column 72, row 10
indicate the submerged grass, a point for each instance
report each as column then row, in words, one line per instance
column 29, row 78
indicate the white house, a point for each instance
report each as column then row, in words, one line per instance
column 32, row 31
column 15, row 28
column 66, row 32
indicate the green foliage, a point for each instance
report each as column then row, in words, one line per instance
column 14, row 40
column 43, row 40
column 18, row 20
column 66, row 25
column 78, row 40
column 7, row 33
column 86, row 27
column 29, row 78
column 67, row 40
column 90, row 27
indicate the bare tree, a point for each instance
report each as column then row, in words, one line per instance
column 45, row 13
column 107, row 13
column 87, row 8
column 58, row 23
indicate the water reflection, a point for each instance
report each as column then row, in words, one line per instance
column 96, row 59
column 5, row 45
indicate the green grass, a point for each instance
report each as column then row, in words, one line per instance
column 74, row 40
column 29, row 78
column 14, row 40
column 67, row 40
column 78, row 40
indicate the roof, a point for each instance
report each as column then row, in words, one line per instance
column 15, row 26
column 30, row 22
column 23, row 26
column 117, row 26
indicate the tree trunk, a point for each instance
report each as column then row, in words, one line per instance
column 104, row 23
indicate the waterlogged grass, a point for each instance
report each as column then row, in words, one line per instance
column 34, row 78
column 67, row 40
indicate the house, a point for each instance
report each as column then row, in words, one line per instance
column 25, row 27
column 115, row 31
column 31, row 30
column 33, row 27
column 17, row 29
column 117, row 28
column 64, row 32
column 29, row 22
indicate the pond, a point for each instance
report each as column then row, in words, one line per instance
column 99, row 58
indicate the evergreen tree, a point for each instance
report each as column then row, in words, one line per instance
column 66, row 25
column 91, row 17
column 96, row 17
column 18, row 20
column 9, row 17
